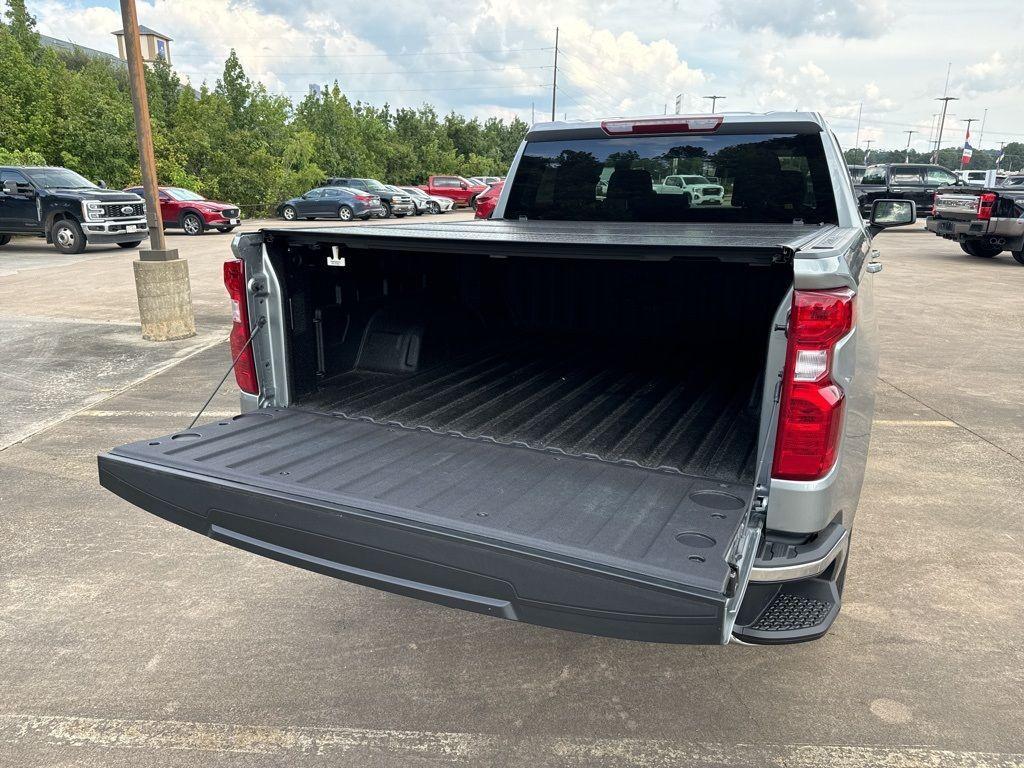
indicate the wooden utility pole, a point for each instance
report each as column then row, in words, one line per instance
column 143, row 129
column 161, row 278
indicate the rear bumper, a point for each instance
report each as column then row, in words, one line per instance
column 1010, row 231
column 447, row 567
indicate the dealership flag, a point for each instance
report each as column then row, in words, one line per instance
column 968, row 149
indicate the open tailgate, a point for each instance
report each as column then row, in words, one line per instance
column 509, row 531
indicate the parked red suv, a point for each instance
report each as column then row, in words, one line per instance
column 462, row 191
column 192, row 212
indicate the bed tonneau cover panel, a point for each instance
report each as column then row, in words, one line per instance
column 621, row 240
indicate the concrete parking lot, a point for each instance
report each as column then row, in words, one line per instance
column 125, row 640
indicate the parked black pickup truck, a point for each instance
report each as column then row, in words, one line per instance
column 902, row 181
column 985, row 221
column 67, row 209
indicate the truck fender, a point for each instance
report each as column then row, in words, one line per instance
column 55, row 216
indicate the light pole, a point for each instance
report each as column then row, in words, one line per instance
column 714, row 100
column 967, row 138
column 161, row 278
column 906, row 158
column 942, row 123
column 554, row 79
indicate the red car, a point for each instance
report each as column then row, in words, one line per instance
column 486, row 201
column 462, row 191
column 192, row 212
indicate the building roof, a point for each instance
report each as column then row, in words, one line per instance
column 147, row 31
column 67, row 45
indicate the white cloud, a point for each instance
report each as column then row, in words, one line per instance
column 793, row 18
column 494, row 57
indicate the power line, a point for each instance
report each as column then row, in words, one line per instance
column 600, row 87
column 418, row 90
column 370, row 55
column 394, row 72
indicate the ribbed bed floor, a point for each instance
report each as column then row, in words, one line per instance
column 698, row 421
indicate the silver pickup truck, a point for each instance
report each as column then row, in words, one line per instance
column 985, row 221
column 616, row 414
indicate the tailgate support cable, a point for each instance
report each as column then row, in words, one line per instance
column 259, row 324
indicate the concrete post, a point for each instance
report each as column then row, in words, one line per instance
column 161, row 279
column 165, row 299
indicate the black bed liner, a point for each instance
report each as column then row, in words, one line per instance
column 621, row 240
column 700, row 421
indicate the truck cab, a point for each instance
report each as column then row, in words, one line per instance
column 903, row 181
column 68, row 210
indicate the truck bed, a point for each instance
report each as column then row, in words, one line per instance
column 621, row 240
column 700, row 420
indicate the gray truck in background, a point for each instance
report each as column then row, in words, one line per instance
column 984, row 221
column 602, row 410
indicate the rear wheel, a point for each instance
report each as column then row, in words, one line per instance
column 67, row 236
column 132, row 244
column 345, row 213
column 1018, row 256
column 980, row 249
column 192, row 223
column 5, row 239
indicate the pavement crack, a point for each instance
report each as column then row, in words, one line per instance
column 949, row 418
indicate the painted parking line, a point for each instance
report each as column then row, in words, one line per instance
column 916, row 423
column 295, row 742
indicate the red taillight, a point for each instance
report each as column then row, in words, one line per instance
column 245, row 367
column 364, row 198
column 986, row 204
column 811, row 408
column 675, row 124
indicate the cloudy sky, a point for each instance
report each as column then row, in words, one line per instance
column 617, row 57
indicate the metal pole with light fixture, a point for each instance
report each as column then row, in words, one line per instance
column 554, row 79
column 714, row 100
column 161, row 278
column 906, row 157
column 967, row 138
column 942, row 123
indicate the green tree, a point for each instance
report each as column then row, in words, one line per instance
column 233, row 141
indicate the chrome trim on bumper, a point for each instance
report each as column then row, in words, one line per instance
column 807, row 570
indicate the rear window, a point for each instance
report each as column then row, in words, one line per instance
column 766, row 178
column 874, row 175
